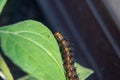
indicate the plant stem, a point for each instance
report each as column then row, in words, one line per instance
column 5, row 69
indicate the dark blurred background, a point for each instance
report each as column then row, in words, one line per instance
column 87, row 24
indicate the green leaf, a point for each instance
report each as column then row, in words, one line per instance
column 2, row 4
column 83, row 72
column 32, row 46
column 5, row 69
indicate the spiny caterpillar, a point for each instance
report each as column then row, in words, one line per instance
column 68, row 63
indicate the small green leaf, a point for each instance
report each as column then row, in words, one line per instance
column 83, row 72
column 2, row 4
column 32, row 46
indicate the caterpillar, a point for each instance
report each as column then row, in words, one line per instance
column 68, row 63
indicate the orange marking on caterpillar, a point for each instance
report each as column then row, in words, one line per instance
column 68, row 63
